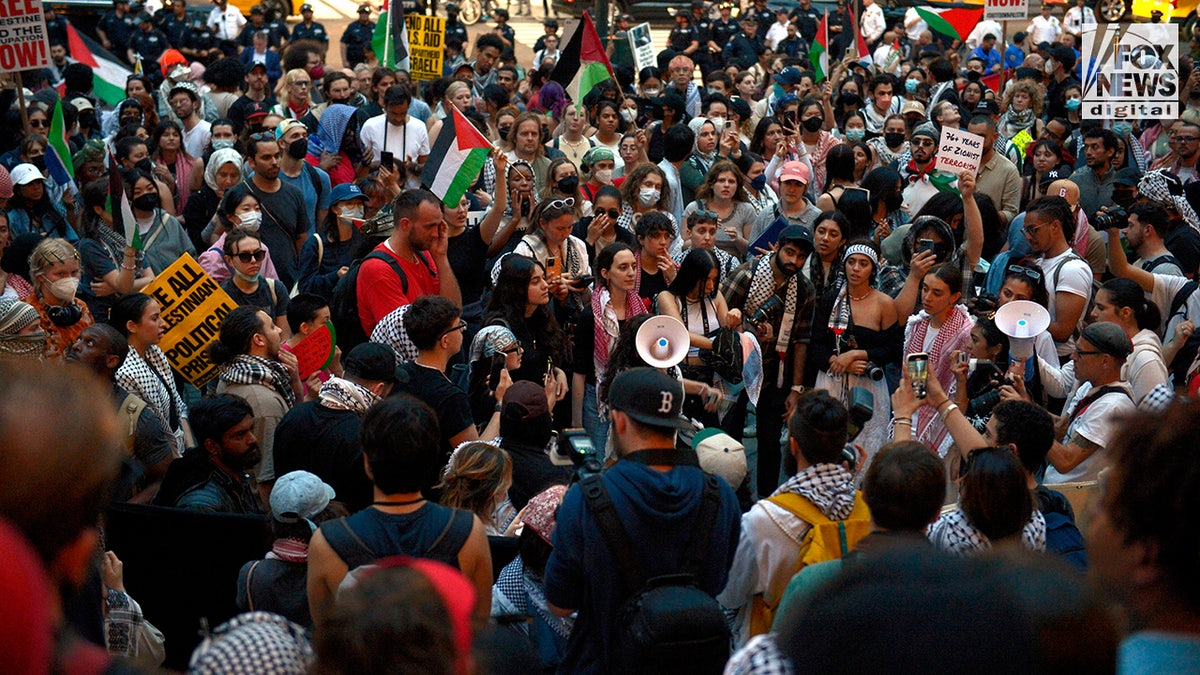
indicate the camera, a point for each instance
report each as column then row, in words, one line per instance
column 1110, row 218
column 571, row 447
column 874, row 372
column 767, row 312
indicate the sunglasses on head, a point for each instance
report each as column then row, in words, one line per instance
column 568, row 203
column 256, row 256
column 1025, row 272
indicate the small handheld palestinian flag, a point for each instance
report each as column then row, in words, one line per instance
column 456, row 158
column 819, row 52
column 583, row 63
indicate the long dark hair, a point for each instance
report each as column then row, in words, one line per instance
column 839, row 165
column 1026, row 269
column 1126, row 293
column 693, row 272
column 507, row 306
column 623, row 356
column 995, row 497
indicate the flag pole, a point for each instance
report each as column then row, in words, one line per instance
column 387, row 40
column 21, row 99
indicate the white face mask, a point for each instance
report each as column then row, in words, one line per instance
column 250, row 221
column 628, row 115
column 222, row 143
column 603, row 176
column 1049, row 67
column 353, row 212
column 649, row 196
column 64, row 289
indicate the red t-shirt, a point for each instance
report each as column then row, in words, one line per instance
column 380, row 291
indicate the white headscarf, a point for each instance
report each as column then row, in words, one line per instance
column 221, row 158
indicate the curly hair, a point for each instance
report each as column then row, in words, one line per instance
column 1035, row 91
column 705, row 191
column 507, row 307
column 629, row 189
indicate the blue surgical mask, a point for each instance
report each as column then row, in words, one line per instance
column 1122, row 129
column 222, row 143
column 911, row 86
column 1074, row 104
column 856, row 135
column 759, row 182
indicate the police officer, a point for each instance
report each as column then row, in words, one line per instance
column 257, row 22
column 357, row 38
column 683, row 38
column 175, row 23
column 56, row 25
column 807, row 20
column 148, row 42
column 765, row 18
column 454, row 27
column 199, row 43
column 723, row 29
column 116, row 27
column 703, row 26
column 308, row 29
column 277, row 28
column 549, row 27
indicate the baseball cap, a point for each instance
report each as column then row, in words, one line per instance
column 345, row 192
column 299, row 495
column 913, row 107
column 286, row 126
column 1064, row 55
column 256, row 109
column 24, row 174
column 364, row 8
column 1109, row 338
column 649, row 396
column 370, row 360
column 145, row 17
column 306, row 7
column 257, row 9
column 749, row 18
column 258, row 64
column 720, row 454
column 1129, row 177
column 82, row 104
column 540, row 512
column 794, row 171
column 986, row 107
column 1053, row 175
column 6, row 184
column 525, row 401
column 797, row 234
column 789, row 76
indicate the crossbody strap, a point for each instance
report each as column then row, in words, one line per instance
column 609, row 523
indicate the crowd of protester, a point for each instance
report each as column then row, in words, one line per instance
column 416, row 497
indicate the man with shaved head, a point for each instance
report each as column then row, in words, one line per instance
column 1086, row 238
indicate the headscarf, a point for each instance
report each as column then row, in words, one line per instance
column 491, row 340
column 217, row 160
column 254, row 642
column 839, row 318
column 92, row 151
column 15, row 316
column 696, row 124
column 331, row 130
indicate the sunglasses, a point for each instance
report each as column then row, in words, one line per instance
column 39, row 123
column 1025, row 272
column 300, row 83
column 612, row 213
column 568, row 203
column 512, row 350
column 256, row 256
column 263, row 136
column 462, row 325
column 922, row 142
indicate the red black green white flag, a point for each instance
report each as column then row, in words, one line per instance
column 819, row 52
column 583, row 63
column 456, row 159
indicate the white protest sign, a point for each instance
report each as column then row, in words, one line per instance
column 22, row 36
column 1006, row 10
column 959, row 151
column 642, row 46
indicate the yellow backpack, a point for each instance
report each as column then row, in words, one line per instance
column 825, row 540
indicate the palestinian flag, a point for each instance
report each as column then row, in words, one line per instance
column 818, row 53
column 58, row 151
column 862, row 53
column 390, row 41
column 583, row 63
column 456, row 158
column 108, row 75
column 955, row 22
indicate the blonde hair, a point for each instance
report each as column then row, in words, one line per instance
column 48, row 253
column 281, row 91
column 473, row 478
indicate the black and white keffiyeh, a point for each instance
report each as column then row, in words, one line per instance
column 762, row 287
column 954, row 534
column 339, row 394
column 390, row 331
column 247, row 369
column 149, row 377
column 840, row 318
column 254, row 642
column 830, row 487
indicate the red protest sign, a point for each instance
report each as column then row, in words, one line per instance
column 22, row 36
column 315, row 351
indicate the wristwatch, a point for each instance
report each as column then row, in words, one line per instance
column 798, row 388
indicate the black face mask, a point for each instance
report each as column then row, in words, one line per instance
column 298, row 149
column 504, row 131
column 146, row 165
column 88, row 121
column 850, row 99
column 568, row 185
column 342, row 101
column 893, row 139
column 813, row 124
column 39, row 162
column 893, row 201
column 146, row 202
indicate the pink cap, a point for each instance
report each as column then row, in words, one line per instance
column 795, row 171
column 6, row 184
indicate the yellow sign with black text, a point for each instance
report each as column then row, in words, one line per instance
column 426, row 46
column 193, row 306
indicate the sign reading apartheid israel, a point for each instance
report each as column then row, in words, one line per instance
column 425, row 46
column 193, row 306
column 22, row 36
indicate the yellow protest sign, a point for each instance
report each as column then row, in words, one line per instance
column 426, row 35
column 193, row 306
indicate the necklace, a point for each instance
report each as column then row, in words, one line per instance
column 571, row 144
column 861, row 297
column 408, row 502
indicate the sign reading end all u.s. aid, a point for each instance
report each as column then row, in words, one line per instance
column 193, row 306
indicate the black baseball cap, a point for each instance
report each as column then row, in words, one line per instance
column 986, row 107
column 649, row 396
column 797, row 234
column 371, row 361
column 1108, row 338
column 1129, row 177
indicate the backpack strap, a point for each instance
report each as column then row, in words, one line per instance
column 395, row 265
column 452, row 538
column 314, row 179
column 274, row 294
column 1180, row 298
column 249, row 576
column 1164, row 259
column 347, row 544
column 132, row 406
column 706, row 523
column 805, row 510
column 1094, row 396
column 320, row 249
column 623, row 551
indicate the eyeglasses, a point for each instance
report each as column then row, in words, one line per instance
column 1186, row 139
column 462, row 325
column 1087, row 352
column 568, row 203
column 300, row 83
column 263, row 136
column 256, row 256
column 1030, row 231
column 513, row 349
column 1025, row 272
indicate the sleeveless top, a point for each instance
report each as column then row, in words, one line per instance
column 433, row 531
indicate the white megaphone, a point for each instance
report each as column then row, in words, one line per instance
column 1022, row 321
column 662, row 341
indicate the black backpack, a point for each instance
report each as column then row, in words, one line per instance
column 1187, row 353
column 343, row 304
column 667, row 624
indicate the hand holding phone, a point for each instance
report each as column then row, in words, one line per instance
column 498, row 363
column 918, row 372
column 387, row 159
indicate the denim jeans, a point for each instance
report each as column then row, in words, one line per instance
column 595, row 425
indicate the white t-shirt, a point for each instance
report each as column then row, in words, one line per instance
column 1097, row 424
column 1165, row 288
column 409, row 140
column 197, row 140
column 1075, row 277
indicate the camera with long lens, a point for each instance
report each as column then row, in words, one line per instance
column 861, row 409
column 874, row 372
column 574, row 447
column 1114, row 217
column 767, row 312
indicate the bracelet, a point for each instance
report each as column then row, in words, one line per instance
column 798, row 388
column 498, row 408
column 902, row 420
column 949, row 409
column 131, row 268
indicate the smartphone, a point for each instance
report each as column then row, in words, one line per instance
column 387, row 160
column 918, row 372
column 583, row 281
column 552, row 270
column 925, row 245
column 498, row 363
column 963, row 358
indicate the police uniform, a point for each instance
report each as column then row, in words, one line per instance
column 278, row 30
column 703, row 27
column 316, row 31
column 765, row 18
column 150, row 46
column 357, row 38
column 681, row 38
column 458, row 30
column 118, row 29
column 56, row 29
column 808, row 21
column 723, row 31
column 199, row 38
column 176, row 29
column 246, row 37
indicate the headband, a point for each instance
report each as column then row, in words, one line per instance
column 861, row 249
